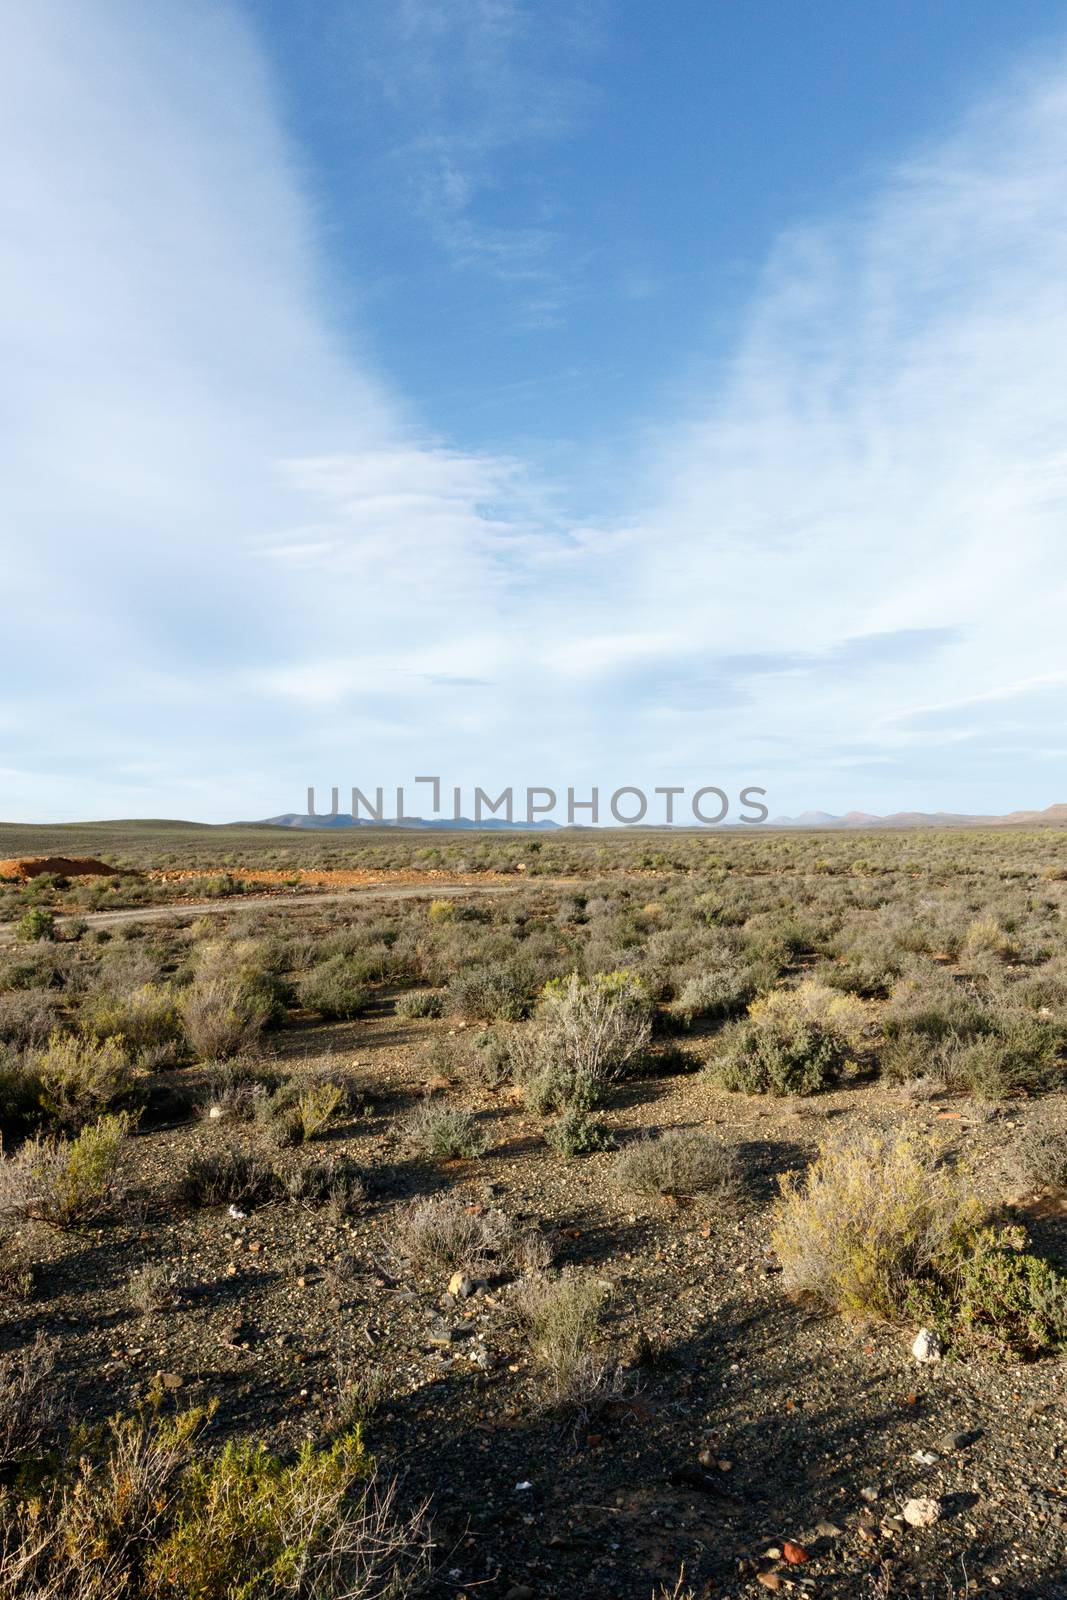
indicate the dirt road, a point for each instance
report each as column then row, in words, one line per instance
column 274, row 902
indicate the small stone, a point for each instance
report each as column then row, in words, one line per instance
column 773, row 1553
column 795, row 1554
column 171, row 1380
column 828, row 1530
column 460, row 1285
column 922, row 1512
column 927, row 1346
column 214, row 1112
column 870, row 1492
column 949, row 1443
column 769, row 1580
column 926, row 1458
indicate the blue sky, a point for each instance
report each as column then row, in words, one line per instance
column 563, row 393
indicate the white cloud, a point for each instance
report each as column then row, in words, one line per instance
column 240, row 564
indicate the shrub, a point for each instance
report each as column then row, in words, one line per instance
column 561, row 1317
column 223, row 1017
column 234, row 1177
column 61, row 1181
column 77, row 1079
column 145, row 1513
column 335, row 989
column 681, row 1161
column 584, row 1036
column 35, row 924
column 793, row 1041
column 337, row 1184
column 577, row 1134
column 152, row 1289
column 441, row 1234
column 871, row 1215
column 714, row 995
column 988, row 1295
column 496, row 992
column 1038, row 1159
column 446, row 1132
column 27, row 1018
column 144, row 1018
column 30, row 1403
column 420, row 1003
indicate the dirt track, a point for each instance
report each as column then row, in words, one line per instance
column 207, row 908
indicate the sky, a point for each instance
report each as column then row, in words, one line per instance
column 532, row 392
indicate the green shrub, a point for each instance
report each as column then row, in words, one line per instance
column 76, row 1079
column 64, row 1182
column 446, row 1132
column 143, row 1018
column 577, row 1134
column 35, row 924
column 420, row 1003
column 793, row 1041
column 335, row 989
column 988, row 1295
column 496, row 992
column 561, row 1317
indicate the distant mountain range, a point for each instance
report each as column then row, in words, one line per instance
column 1056, row 815
column 1052, row 816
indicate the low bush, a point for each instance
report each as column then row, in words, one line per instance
column 446, row 1132
column 1038, row 1159
column 561, row 1317
column 681, row 1161
column 335, row 989
column 64, row 1182
column 223, row 1017
column 500, row 991
column 443, row 1235
column 145, row 1512
column 143, row 1019
column 715, row 995
column 336, row 1184
column 77, row 1079
column 27, row 1018
column 793, row 1041
column 576, row 1133
column 35, row 924
column 420, row 1003
column 880, row 1227
column 30, row 1402
column 585, row 1035
column 229, row 1177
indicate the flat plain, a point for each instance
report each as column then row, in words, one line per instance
column 537, row 1216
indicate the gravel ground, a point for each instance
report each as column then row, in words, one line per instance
column 738, row 1419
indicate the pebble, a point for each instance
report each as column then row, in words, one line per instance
column 461, row 1285
column 922, row 1512
column 870, row 1492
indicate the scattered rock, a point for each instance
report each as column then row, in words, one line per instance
column 460, row 1285
column 794, row 1553
column 769, row 1580
column 922, row 1512
column 828, row 1530
column 949, row 1443
column 927, row 1347
column 926, row 1458
column 870, row 1492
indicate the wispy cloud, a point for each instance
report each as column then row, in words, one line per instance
column 239, row 563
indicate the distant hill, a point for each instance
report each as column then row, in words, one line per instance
column 1055, row 816
column 344, row 819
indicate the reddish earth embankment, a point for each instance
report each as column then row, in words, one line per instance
column 23, row 868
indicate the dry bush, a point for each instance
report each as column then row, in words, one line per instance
column 870, row 1216
column 223, row 1017
column 152, row 1289
column 76, row 1079
column 585, row 1035
column 561, row 1316
column 145, row 1018
column 233, row 1177
column 1038, row 1159
column 793, row 1041
column 498, row 991
column 336, row 1185
column 711, row 996
column 30, row 1403
column 446, row 1132
column 64, row 1181
column 336, row 989
column 420, row 1003
column 27, row 1018
column 681, row 1161
column 442, row 1234
column 575, row 1133
column 149, row 1513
